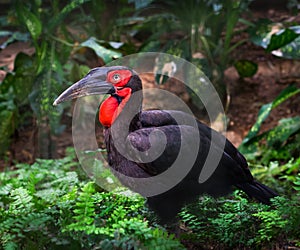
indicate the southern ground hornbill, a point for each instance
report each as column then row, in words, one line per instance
column 122, row 83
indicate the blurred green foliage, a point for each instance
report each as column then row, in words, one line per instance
column 38, row 79
column 199, row 31
column 235, row 223
column 280, row 39
column 48, row 205
column 51, row 200
column 279, row 143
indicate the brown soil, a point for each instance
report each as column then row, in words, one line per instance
column 246, row 96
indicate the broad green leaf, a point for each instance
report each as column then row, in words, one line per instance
column 232, row 19
column 283, row 131
column 291, row 50
column 246, row 68
column 21, row 80
column 267, row 108
column 280, row 39
column 106, row 54
column 283, row 43
column 275, row 138
column 262, row 115
column 32, row 22
column 285, row 94
column 34, row 25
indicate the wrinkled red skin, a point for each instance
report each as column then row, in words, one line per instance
column 111, row 108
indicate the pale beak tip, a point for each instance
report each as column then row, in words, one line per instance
column 55, row 103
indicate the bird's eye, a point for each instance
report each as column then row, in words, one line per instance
column 116, row 77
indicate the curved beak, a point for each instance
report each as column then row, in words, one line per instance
column 94, row 83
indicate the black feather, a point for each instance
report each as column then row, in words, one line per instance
column 232, row 169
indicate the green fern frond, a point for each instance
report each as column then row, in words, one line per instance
column 84, row 211
column 6, row 189
column 65, row 181
column 21, row 201
column 8, row 243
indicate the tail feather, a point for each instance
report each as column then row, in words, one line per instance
column 259, row 191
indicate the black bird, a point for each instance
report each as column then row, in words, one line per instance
column 130, row 135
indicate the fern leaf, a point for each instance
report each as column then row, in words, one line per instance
column 84, row 212
column 21, row 200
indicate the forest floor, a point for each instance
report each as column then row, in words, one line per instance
column 246, row 95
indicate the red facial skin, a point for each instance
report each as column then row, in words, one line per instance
column 124, row 76
column 110, row 108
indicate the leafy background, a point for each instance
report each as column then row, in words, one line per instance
column 48, row 203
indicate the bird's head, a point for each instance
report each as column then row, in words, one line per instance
column 118, row 81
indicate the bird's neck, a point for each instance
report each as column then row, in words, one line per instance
column 112, row 107
column 108, row 111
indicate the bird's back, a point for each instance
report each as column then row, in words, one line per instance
column 193, row 141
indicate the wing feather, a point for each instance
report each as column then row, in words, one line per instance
column 157, row 118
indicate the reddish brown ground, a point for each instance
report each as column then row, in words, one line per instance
column 246, row 96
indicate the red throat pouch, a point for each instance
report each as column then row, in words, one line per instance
column 111, row 108
column 107, row 111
